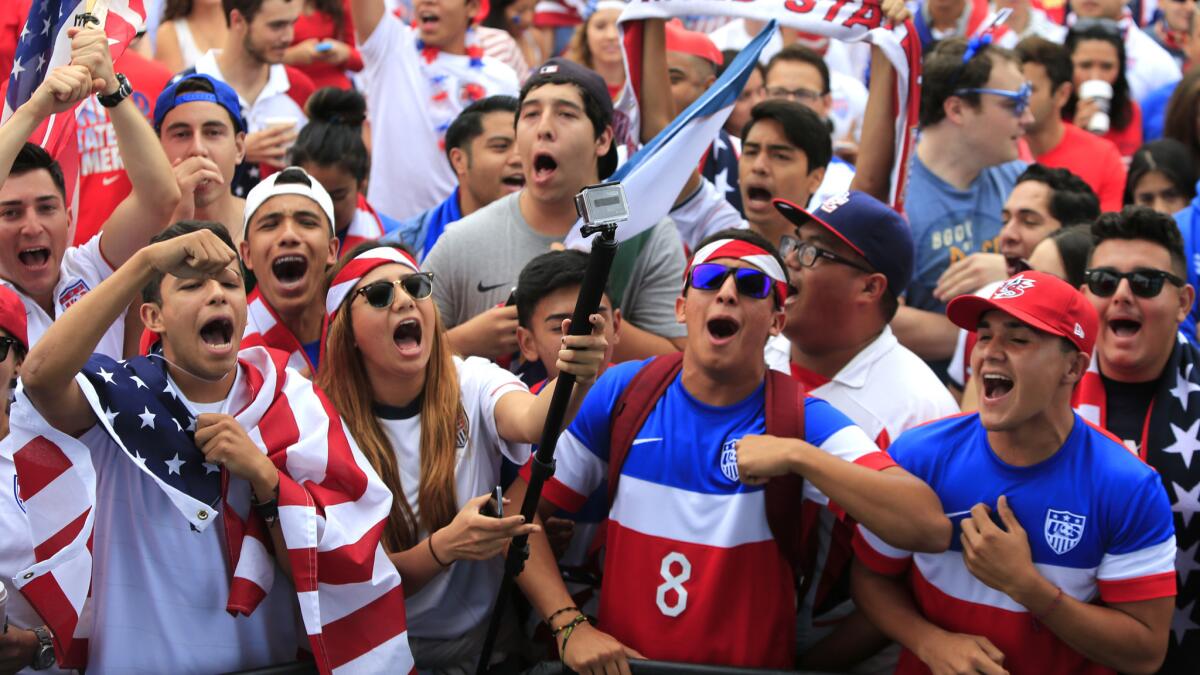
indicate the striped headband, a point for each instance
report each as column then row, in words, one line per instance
column 745, row 251
column 349, row 276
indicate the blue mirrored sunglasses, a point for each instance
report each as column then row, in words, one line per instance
column 1020, row 97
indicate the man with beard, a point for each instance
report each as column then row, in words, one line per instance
column 272, row 95
column 1142, row 384
column 35, row 259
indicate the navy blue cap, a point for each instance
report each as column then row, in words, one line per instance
column 873, row 229
column 222, row 94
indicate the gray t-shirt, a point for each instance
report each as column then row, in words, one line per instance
column 476, row 263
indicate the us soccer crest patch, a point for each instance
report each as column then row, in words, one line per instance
column 1063, row 530
column 71, row 294
column 729, row 460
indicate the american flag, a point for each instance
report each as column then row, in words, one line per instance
column 43, row 46
column 332, row 507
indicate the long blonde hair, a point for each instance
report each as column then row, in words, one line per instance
column 343, row 377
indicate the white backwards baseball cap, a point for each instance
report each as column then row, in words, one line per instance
column 271, row 187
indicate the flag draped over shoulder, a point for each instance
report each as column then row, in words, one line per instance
column 332, row 508
column 43, row 45
column 667, row 160
column 264, row 328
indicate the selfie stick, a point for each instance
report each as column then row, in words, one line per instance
column 595, row 279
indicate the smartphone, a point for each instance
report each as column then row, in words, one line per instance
column 495, row 506
column 324, row 47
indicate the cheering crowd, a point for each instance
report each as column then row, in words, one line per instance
column 894, row 370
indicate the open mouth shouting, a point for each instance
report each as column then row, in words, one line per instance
column 544, row 167
column 428, row 22
column 758, row 198
column 34, row 257
column 513, row 181
column 722, row 329
column 1124, row 327
column 407, row 337
column 290, row 270
column 217, row 334
column 995, row 387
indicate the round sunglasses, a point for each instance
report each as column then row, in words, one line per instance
column 380, row 294
column 1144, row 283
column 750, row 282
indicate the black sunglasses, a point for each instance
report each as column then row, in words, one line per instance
column 1144, row 283
column 750, row 282
column 380, row 294
column 7, row 343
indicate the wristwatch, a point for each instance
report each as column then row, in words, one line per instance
column 43, row 658
column 124, row 89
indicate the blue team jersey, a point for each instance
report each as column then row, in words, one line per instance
column 1098, row 522
column 684, row 532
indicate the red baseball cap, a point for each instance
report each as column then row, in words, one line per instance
column 12, row 316
column 680, row 39
column 1041, row 300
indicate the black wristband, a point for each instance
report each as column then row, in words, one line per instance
column 268, row 510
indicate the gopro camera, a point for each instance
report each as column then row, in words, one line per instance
column 602, row 204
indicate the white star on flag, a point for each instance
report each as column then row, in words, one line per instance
column 140, row 384
column 17, row 67
column 1183, row 388
column 45, row 26
column 137, row 457
column 211, row 468
column 1185, row 444
column 171, row 390
column 24, row 32
column 173, row 465
column 191, row 424
column 721, row 182
column 1187, row 502
column 1182, row 622
column 147, row 418
column 110, row 416
column 1185, row 562
column 108, row 377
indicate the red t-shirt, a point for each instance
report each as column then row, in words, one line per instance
column 1129, row 139
column 103, row 183
column 1093, row 158
column 320, row 26
column 12, row 18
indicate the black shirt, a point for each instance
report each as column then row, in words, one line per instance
column 1127, row 405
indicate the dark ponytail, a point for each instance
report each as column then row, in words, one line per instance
column 333, row 135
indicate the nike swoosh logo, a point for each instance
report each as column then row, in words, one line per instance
column 484, row 289
column 109, row 180
column 639, row 441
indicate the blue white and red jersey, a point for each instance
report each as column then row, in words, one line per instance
column 1099, row 528
column 693, row 571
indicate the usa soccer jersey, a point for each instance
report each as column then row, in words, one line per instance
column 694, row 572
column 1099, row 527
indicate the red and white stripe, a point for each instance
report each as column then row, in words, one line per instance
column 366, row 226
column 746, row 252
column 352, row 273
column 332, row 511
column 264, row 328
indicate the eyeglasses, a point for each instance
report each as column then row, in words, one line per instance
column 380, row 294
column 794, row 94
column 1097, row 24
column 1145, row 283
column 1020, row 97
column 7, row 343
column 809, row 253
column 750, row 282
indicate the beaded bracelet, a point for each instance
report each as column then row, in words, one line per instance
column 568, row 630
column 551, row 618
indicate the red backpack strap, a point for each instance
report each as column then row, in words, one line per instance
column 633, row 407
column 785, row 494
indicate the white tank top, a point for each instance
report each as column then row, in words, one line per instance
column 187, row 44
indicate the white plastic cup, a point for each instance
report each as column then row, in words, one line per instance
column 282, row 122
column 1101, row 92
